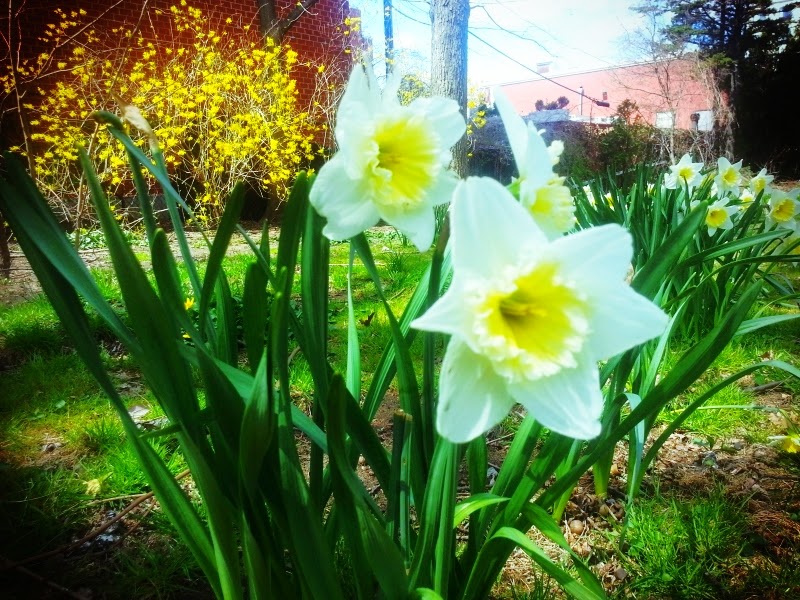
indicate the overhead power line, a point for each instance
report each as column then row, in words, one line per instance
column 524, row 66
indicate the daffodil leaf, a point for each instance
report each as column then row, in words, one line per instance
column 474, row 503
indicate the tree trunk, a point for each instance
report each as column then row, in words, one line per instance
column 449, row 62
column 274, row 28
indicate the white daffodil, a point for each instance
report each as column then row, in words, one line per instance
column 684, row 174
column 790, row 245
column 729, row 176
column 555, row 150
column 530, row 317
column 589, row 194
column 761, row 182
column 746, row 197
column 392, row 162
column 538, row 188
column 786, row 443
column 719, row 215
column 783, row 208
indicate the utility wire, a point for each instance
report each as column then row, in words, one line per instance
column 496, row 49
column 524, row 66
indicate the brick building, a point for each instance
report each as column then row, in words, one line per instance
column 667, row 93
column 317, row 35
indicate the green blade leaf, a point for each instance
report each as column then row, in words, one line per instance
column 565, row 580
column 255, row 313
column 650, row 278
column 227, row 225
column 475, row 502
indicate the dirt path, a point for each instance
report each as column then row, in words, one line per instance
column 23, row 284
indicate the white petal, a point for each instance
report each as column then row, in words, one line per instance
column 357, row 86
column 623, row 319
column 472, row 398
column 538, row 167
column 489, row 227
column 516, row 130
column 418, row 225
column 358, row 101
column 448, row 314
column 389, row 99
column 341, row 201
column 596, row 257
column 444, row 116
column 569, row 402
column 441, row 192
column 358, row 149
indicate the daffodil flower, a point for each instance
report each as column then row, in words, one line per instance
column 555, row 150
column 719, row 214
column 684, row 173
column 783, row 207
column 761, row 182
column 790, row 245
column 538, row 188
column 530, row 317
column 392, row 162
column 729, row 177
column 786, row 443
column 589, row 195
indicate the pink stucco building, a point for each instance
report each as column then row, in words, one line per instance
column 667, row 93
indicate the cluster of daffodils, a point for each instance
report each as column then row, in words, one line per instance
column 732, row 194
column 222, row 104
column 530, row 310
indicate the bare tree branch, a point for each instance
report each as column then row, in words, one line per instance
column 274, row 28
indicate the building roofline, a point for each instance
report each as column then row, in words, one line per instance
column 548, row 76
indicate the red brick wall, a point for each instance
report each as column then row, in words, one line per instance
column 638, row 83
column 317, row 36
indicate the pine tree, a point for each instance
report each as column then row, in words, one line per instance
column 752, row 46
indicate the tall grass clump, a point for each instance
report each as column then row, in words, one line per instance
column 727, row 235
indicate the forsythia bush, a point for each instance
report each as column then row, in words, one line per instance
column 221, row 102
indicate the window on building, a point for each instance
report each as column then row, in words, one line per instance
column 605, row 95
column 705, row 121
column 665, row 120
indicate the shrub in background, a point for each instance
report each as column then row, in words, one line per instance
column 590, row 149
column 220, row 99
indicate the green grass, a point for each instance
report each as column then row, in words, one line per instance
column 30, row 326
column 681, row 548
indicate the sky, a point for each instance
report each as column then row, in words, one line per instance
column 573, row 35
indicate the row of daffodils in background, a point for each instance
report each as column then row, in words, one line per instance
column 732, row 194
column 729, row 193
column 530, row 310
